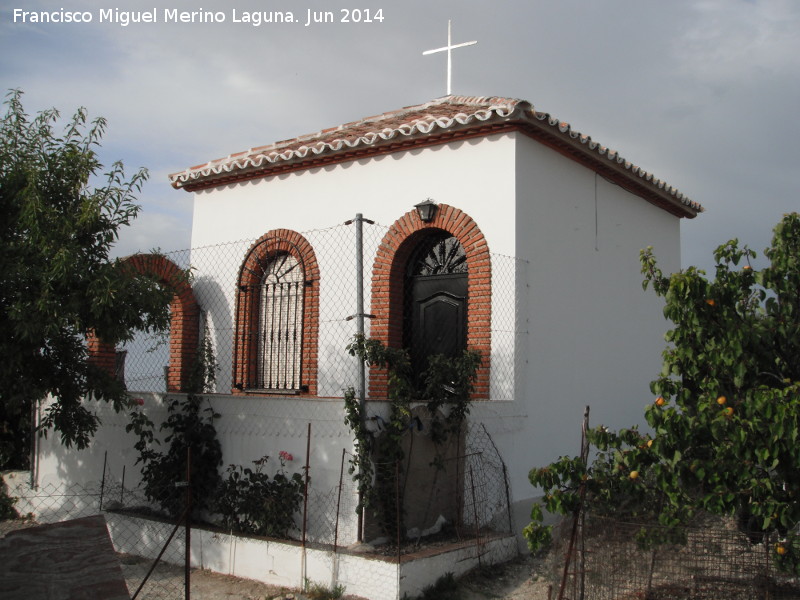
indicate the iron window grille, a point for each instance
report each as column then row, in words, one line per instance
column 280, row 325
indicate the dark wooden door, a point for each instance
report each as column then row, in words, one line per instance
column 439, row 315
column 437, row 302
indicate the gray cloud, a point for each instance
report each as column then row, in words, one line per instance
column 701, row 92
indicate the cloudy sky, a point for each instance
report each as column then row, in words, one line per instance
column 703, row 93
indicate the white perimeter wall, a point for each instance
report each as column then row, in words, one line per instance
column 248, row 428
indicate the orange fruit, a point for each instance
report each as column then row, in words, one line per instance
column 721, row 400
column 660, row 401
column 634, row 475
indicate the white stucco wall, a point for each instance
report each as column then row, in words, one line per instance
column 247, row 429
column 475, row 176
column 290, row 565
column 585, row 332
column 594, row 337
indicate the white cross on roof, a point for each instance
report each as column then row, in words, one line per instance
column 449, row 48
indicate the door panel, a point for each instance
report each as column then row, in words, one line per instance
column 438, row 317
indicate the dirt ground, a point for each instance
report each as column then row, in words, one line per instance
column 520, row 579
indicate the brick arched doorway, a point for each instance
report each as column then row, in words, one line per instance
column 390, row 283
column 184, row 331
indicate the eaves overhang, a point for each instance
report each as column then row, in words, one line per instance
column 440, row 121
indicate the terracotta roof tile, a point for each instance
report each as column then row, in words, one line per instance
column 424, row 124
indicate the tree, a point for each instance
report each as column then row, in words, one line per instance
column 726, row 418
column 58, row 284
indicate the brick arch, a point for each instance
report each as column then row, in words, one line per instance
column 388, row 283
column 184, row 331
column 247, row 306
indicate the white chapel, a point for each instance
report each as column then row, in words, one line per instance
column 547, row 225
column 464, row 223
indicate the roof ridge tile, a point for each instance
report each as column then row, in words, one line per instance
column 445, row 113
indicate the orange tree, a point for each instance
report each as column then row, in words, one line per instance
column 724, row 423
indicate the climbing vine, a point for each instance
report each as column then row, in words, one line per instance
column 446, row 387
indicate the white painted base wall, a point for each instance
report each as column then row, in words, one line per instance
column 248, row 428
column 279, row 563
column 290, row 565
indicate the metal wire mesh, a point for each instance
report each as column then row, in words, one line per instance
column 715, row 561
column 457, row 494
column 489, row 477
column 139, row 526
column 138, row 541
column 215, row 271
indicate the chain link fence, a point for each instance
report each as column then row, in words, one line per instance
column 462, row 499
column 216, row 286
column 138, row 541
column 145, row 520
column 711, row 559
column 599, row 557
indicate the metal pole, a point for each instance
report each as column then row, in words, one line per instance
column 305, row 488
column 362, row 377
column 508, row 496
column 122, row 488
column 475, row 514
column 335, row 569
column 187, row 525
column 461, row 489
column 576, row 519
column 362, row 367
column 585, row 459
column 103, row 482
column 160, row 554
column 338, row 505
column 304, row 558
column 34, row 430
column 397, row 505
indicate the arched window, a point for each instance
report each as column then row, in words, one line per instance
column 277, row 316
column 184, row 332
column 280, row 324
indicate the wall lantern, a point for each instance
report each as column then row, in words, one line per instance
column 426, row 210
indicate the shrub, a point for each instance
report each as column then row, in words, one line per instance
column 250, row 502
column 7, row 502
column 319, row 591
column 190, row 426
